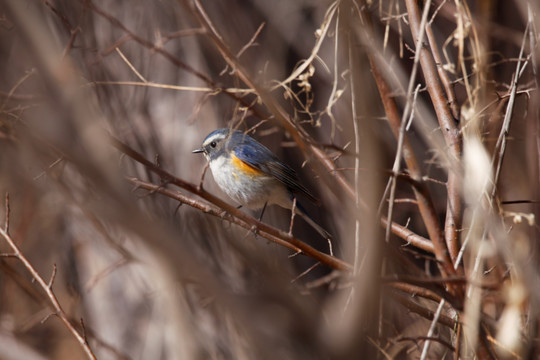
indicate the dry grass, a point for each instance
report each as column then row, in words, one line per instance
column 416, row 123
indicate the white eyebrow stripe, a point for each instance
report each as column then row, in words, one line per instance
column 214, row 138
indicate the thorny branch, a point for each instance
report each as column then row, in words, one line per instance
column 46, row 287
column 451, row 135
column 243, row 219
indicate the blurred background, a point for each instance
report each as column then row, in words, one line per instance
column 139, row 274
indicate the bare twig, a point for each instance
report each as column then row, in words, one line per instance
column 409, row 236
column 224, row 206
column 425, row 204
column 447, row 83
column 6, row 222
column 453, row 186
column 357, row 136
column 502, row 139
column 325, row 167
column 422, row 311
column 251, row 41
column 130, row 65
column 450, row 131
column 47, row 288
column 305, row 272
column 428, row 338
column 174, row 87
column 414, row 290
column 431, row 330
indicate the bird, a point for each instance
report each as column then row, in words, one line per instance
column 252, row 175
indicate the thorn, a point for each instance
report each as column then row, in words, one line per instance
column 295, row 254
column 304, row 273
column 293, row 213
column 177, row 208
column 53, row 276
column 262, row 212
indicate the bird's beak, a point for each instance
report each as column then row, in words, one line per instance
column 196, row 151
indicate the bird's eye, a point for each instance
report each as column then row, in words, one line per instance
column 213, row 144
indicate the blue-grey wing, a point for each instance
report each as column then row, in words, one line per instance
column 260, row 157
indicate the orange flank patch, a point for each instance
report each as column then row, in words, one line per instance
column 244, row 167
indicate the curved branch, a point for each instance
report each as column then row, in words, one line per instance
column 233, row 211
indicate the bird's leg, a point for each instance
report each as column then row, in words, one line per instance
column 262, row 212
column 293, row 213
column 254, row 229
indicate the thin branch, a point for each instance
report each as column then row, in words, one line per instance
column 148, row 44
column 224, row 206
column 409, row 236
column 501, row 140
column 447, row 83
column 357, row 136
column 174, row 87
column 449, row 128
column 325, row 167
column 251, row 42
column 47, row 288
column 453, row 204
column 422, row 311
column 8, row 209
column 130, row 35
column 321, row 35
column 414, row 290
column 428, row 338
column 130, row 65
column 247, row 222
column 305, row 272
column 425, row 203
column 432, row 330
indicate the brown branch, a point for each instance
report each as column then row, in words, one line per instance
column 443, row 75
column 416, row 291
column 148, row 44
column 47, row 288
column 448, row 125
column 459, row 339
column 39, row 297
column 233, row 211
column 407, row 112
column 207, row 208
column 454, row 205
column 305, row 144
column 425, row 204
column 430, row 338
column 422, row 311
column 251, row 41
column 500, row 146
column 447, row 250
column 453, row 219
column 167, row 55
column 8, row 209
column 409, row 236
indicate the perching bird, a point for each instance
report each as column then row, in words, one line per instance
column 252, row 175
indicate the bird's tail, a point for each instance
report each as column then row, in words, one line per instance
column 302, row 212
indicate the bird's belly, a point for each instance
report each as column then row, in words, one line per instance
column 252, row 189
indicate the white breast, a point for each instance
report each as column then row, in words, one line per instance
column 250, row 191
